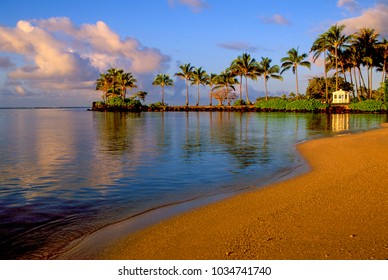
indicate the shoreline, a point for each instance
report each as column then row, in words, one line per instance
column 337, row 210
column 332, row 109
column 90, row 246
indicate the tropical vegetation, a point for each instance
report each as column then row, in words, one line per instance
column 347, row 57
column 163, row 80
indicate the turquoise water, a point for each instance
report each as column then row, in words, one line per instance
column 65, row 173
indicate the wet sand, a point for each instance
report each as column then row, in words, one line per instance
column 337, row 210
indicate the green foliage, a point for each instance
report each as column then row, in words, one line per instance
column 290, row 105
column 306, row 104
column 128, row 103
column 115, row 83
column 157, row 105
column 369, row 105
column 239, row 102
column 272, row 103
column 317, row 88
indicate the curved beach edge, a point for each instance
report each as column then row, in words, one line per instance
column 335, row 211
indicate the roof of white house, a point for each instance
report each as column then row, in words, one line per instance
column 340, row 91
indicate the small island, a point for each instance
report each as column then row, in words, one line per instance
column 343, row 54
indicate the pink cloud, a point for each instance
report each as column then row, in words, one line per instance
column 375, row 18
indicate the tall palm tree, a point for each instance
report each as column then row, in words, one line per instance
column 199, row 77
column 245, row 65
column 211, row 82
column 336, row 39
column 322, row 45
column 186, row 74
column 126, row 80
column 163, row 80
column 268, row 72
column 383, row 58
column 292, row 61
column 366, row 42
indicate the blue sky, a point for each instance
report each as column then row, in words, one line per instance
column 51, row 52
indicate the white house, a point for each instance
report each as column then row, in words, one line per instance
column 341, row 96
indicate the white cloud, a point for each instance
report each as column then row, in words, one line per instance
column 275, row 19
column 375, row 18
column 58, row 55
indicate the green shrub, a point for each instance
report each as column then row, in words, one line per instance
column 369, row 105
column 306, row 104
column 240, row 102
column 128, row 103
column 157, row 105
column 272, row 103
column 290, row 104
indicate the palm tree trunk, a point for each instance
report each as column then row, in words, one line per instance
column 187, row 93
column 336, row 69
column 241, row 87
column 370, row 81
column 355, row 82
column 211, row 96
column 246, row 90
column 362, row 79
column 198, row 97
column 162, row 95
column 296, row 77
column 265, row 87
column 351, row 80
column 325, row 74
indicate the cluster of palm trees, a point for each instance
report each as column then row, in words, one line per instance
column 348, row 53
column 115, row 83
column 223, row 85
column 345, row 54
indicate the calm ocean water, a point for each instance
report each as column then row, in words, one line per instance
column 65, row 173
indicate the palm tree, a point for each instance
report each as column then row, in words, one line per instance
column 211, row 82
column 337, row 40
column 199, row 77
column 321, row 45
column 293, row 60
column 113, row 76
column 125, row 80
column 227, row 81
column 383, row 58
column 268, row 71
column 245, row 66
column 186, row 74
column 103, row 84
column 163, row 80
column 235, row 70
column 365, row 41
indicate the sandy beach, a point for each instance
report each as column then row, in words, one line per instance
column 337, row 210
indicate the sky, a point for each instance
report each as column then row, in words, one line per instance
column 52, row 52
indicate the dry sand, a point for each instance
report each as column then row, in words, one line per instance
column 338, row 210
